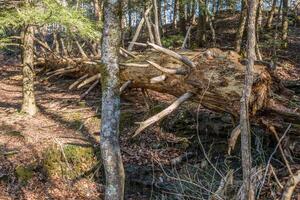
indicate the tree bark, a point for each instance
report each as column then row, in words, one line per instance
column 181, row 16
column 241, row 28
column 109, row 135
column 271, row 14
column 244, row 113
column 29, row 104
column 156, row 22
column 285, row 23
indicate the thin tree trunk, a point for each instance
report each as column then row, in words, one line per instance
column 244, row 112
column 241, row 28
column 129, row 18
column 285, row 23
column 202, row 24
column 175, row 14
column 156, row 22
column 109, row 136
column 97, row 10
column 181, row 16
column 271, row 14
column 29, row 104
column 257, row 30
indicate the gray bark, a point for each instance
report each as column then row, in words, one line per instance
column 109, row 136
column 244, row 112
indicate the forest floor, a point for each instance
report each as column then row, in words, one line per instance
column 55, row 154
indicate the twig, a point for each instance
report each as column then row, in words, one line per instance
column 269, row 161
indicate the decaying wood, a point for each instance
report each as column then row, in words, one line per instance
column 173, row 54
column 124, row 86
column 90, row 89
column 78, row 81
column 89, row 80
column 163, row 113
column 290, row 186
column 216, row 80
column 158, row 79
column 233, row 138
column 179, row 71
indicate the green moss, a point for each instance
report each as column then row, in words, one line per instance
column 70, row 163
column 24, row 174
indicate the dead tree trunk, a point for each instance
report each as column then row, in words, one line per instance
column 244, row 113
column 29, row 104
column 271, row 14
column 215, row 78
column 109, row 135
column 241, row 28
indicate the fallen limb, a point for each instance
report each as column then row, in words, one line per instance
column 163, row 113
column 89, row 80
column 158, row 79
column 124, row 86
column 233, row 138
column 90, row 89
column 78, row 81
column 290, row 186
column 173, row 54
column 179, row 71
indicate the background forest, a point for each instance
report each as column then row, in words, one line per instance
column 169, row 99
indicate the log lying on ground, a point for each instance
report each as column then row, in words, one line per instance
column 216, row 81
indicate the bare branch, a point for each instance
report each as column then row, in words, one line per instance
column 162, row 114
column 78, row 81
column 90, row 89
column 89, row 80
column 173, row 54
column 133, row 65
column 178, row 71
column 124, row 86
column 158, row 79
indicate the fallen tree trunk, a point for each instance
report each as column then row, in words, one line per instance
column 216, row 80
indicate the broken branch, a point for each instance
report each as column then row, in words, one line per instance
column 162, row 114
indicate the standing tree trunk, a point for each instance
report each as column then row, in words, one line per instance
column 244, row 109
column 97, row 10
column 181, row 16
column 285, row 23
column 109, row 136
column 271, row 14
column 156, row 21
column 241, row 28
column 202, row 21
column 175, row 14
column 29, row 104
